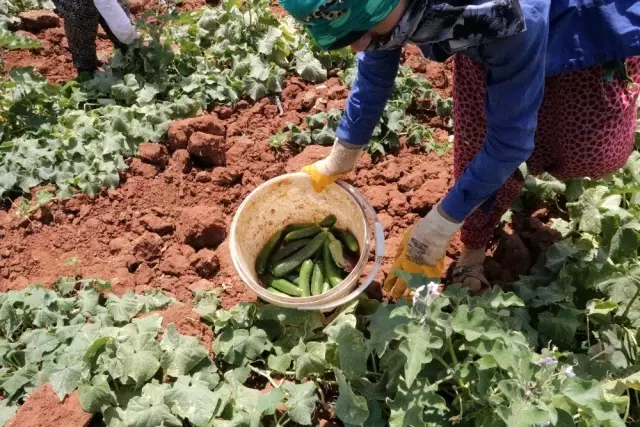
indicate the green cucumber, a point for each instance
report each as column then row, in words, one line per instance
column 332, row 271
column 317, row 280
column 305, row 278
column 288, row 249
column 277, row 292
column 329, row 221
column 289, row 264
column 337, row 253
column 286, row 286
column 293, row 227
column 303, row 233
column 265, row 253
column 348, row 239
column 326, row 287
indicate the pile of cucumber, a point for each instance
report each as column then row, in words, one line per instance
column 304, row 260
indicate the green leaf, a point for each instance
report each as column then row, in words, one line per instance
column 310, row 358
column 382, row 328
column 410, row 405
column 148, row 324
column 93, row 397
column 65, row 379
column 194, row 402
column 417, row 341
column 207, row 303
column 559, row 328
column 475, row 324
column 149, row 409
column 351, row 347
column 95, row 347
column 279, row 363
column 350, row 408
column 240, row 346
column 140, row 357
column 309, row 68
column 300, row 401
column 181, row 353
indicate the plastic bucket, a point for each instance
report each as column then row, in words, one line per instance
column 290, row 199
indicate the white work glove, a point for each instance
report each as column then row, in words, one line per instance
column 422, row 250
column 339, row 162
column 430, row 237
column 117, row 20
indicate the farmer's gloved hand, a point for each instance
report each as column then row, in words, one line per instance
column 422, row 250
column 117, row 20
column 338, row 163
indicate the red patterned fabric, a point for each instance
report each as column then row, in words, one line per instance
column 586, row 128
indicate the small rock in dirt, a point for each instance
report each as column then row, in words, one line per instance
column 118, row 244
column 173, row 262
column 157, row 225
column 147, row 247
column 143, row 274
column 38, row 20
column 398, row 204
column 139, row 168
column 309, row 99
column 181, row 161
column 272, row 171
column 73, row 205
column 155, row 154
column 44, row 409
column 207, row 148
column 226, row 176
column 180, row 131
column 428, row 195
column 205, row 263
column 223, row 111
column 203, row 176
column 410, row 182
column 201, row 227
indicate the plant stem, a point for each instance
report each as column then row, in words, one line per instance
column 266, row 375
column 626, row 413
column 454, row 359
column 442, row 362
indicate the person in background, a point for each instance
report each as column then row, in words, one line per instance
column 529, row 86
column 81, row 19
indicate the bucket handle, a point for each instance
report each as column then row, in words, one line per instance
column 378, row 232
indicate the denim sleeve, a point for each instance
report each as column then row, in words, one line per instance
column 515, row 87
column 369, row 95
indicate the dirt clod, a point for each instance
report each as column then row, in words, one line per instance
column 201, row 227
column 205, row 263
column 147, row 247
column 207, row 148
column 154, row 154
column 38, row 20
column 157, row 225
column 180, row 131
column 138, row 167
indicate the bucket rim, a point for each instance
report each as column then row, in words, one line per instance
column 337, row 293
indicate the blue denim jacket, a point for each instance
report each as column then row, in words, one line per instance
column 561, row 36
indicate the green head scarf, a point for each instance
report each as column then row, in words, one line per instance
column 330, row 20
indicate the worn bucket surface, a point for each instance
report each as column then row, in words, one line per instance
column 290, row 199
